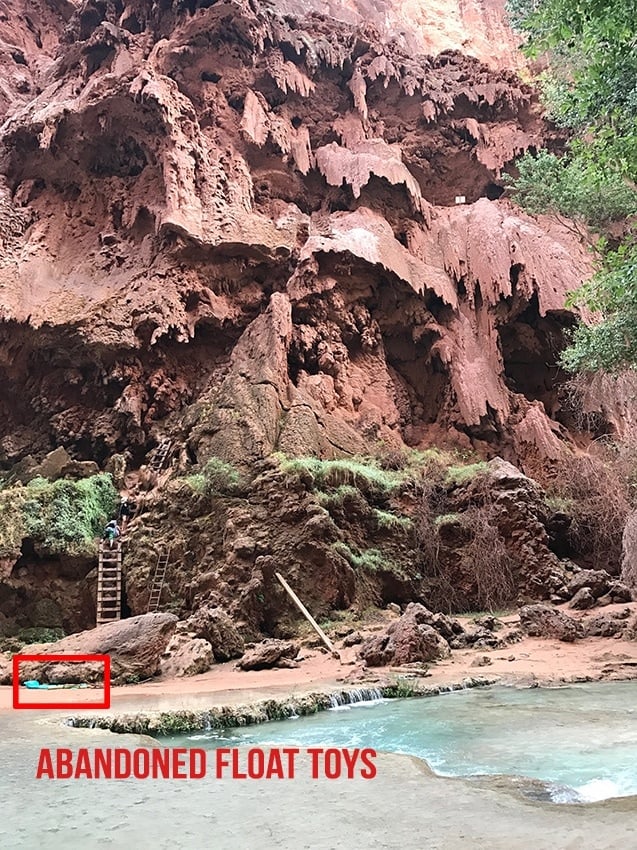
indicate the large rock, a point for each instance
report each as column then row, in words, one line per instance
column 619, row 592
column 583, row 599
column 606, row 625
column 135, row 646
column 53, row 464
column 269, row 653
column 186, row 656
column 543, row 621
column 5, row 669
column 410, row 639
column 216, row 627
column 597, row 581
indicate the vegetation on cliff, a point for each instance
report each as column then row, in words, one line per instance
column 590, row 89
column 59, row 517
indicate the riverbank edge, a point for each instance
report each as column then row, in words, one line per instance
column 182, row 721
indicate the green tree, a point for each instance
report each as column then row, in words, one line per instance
column 591, row 89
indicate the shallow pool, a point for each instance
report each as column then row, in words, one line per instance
column 582, row 739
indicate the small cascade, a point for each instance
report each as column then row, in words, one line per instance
column 341, row 699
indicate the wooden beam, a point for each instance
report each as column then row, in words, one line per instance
column 328, row 643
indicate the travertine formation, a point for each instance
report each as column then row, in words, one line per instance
column 257, row 227
column 237, row 222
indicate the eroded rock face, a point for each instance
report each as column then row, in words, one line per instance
column 274, row 227
column 543, row 621
column 515, row 506
column 264, row 237
column 135, row 646
column 629, row 552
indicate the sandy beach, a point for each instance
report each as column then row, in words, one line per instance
column 526, row 662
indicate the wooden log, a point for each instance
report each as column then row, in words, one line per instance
column 328, row 643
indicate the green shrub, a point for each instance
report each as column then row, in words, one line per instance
column 220, row 478
column 362, row 473
column 196, row 481
column 371, row 560
column 40, row 635
column 464, row 474
column 60, row 516
column 338, row 497
column 386, row 521
column 217, row 478
column 575, row 188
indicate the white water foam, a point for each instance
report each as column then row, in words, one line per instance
column 602, row 789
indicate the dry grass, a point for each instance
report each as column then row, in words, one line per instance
column 599, row 488
column 480, row 573
column 487, row 559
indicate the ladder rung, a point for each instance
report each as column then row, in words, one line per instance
column 109, row 584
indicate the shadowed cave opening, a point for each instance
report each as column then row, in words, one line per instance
column 531, row 345
column 55, row 391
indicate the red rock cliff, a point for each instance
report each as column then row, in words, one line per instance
column 237, row 222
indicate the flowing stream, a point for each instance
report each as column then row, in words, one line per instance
column 580, row 740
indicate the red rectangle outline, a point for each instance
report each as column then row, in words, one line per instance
column 106, row 702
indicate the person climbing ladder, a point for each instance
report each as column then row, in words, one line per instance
column 125, row 512
column 111, row 532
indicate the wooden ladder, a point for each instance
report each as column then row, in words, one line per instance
column 109, row 583
column 158, row 580
column 161, row 455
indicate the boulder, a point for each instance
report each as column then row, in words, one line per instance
column 619, row 592
column 5, row 669
column 77, row 469
column 353, row 639
column 135, row 646
column 597, row 581
column 543, row 621
column 186, row 656
column 481, row 638
column 216, row 627
column 408, row 640
column 446, row 626
column 53, row 464
column 583, row 599
column 605, row 625
column 268, row 653
column 489, row 622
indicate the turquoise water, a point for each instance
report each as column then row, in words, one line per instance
column 582, row 740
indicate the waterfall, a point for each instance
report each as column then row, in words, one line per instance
column 341, row 699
